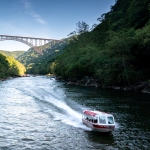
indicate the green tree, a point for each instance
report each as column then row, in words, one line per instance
column 16, row 68
column 3, row 66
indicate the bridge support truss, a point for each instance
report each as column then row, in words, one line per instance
column 37, row 43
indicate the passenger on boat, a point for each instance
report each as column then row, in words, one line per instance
column 95, row 121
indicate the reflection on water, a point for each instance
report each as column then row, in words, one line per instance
column 102, row 138
column 39, row 113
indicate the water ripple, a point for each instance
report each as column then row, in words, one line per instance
column 42, row 114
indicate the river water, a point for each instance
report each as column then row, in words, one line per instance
column 40, row 113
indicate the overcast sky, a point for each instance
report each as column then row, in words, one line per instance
column 53, row 19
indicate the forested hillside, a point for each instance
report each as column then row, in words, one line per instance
column 34, row 62
column 115, row 52
column 40, row 64
column 10, row 67
column 14, row 54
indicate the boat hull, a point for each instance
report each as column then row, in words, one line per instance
column 98, row 127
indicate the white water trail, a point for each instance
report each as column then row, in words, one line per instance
column 71, row 117
column 54, row 96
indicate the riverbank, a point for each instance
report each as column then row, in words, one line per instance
column 143, row 87
column 15, row 76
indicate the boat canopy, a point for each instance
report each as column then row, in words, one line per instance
column 90, row 113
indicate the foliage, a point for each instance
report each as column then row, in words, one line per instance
column 82, row 27
column 3, row 66
column 117, row 51
column 14, row 54
column 16, row 68
column 10, row 67
column 40, row 64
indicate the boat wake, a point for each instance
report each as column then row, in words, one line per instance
column 53, row 101
column 117, row 126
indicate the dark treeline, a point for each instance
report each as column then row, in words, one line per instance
column 115, row 52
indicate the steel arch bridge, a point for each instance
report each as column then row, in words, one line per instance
column 36, row 43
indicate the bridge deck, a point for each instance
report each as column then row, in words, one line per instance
column 27, row 37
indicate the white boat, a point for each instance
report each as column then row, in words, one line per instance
column 98, row 120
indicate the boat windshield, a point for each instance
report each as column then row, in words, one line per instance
column 102, row 119
column 110, row 120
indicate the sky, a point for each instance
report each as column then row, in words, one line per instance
column 53, row 19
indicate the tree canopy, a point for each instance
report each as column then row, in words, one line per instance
column 116, row 52
column 10, row 67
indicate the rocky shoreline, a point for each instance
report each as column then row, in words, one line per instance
column 143, row 86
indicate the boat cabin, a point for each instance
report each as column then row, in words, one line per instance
column 98, row 120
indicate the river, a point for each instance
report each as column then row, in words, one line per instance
column 40, row 113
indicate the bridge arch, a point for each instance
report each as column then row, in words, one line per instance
column 36, row 43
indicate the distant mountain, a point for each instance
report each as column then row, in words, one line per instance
column 14, row 54
column 32, row 59
column 39, row 62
